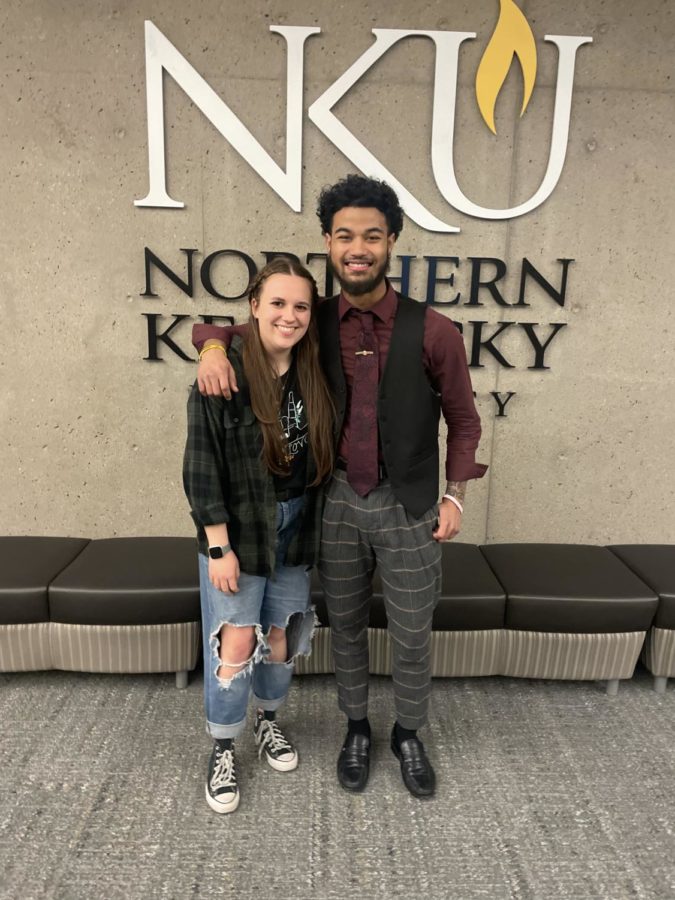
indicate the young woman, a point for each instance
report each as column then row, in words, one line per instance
column 253, row 472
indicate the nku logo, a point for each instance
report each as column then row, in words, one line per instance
column 512, row 37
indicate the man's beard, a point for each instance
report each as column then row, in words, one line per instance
column 360, row 287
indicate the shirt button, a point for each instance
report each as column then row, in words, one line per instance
column 235, row 420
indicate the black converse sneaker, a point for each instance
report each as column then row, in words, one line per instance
column 279, row 752
column 222, row 793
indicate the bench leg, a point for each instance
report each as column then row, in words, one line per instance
column 612, row 687
column 660, row 683
column 182, row 679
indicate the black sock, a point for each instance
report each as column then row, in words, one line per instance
column 224, row 743
column 359, row 726
column 404, row 734
column 270, row 714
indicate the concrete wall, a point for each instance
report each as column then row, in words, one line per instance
column 92, row 434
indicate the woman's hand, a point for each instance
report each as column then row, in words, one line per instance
column 224, row 573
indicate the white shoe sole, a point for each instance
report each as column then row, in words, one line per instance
column 220, row 807
column 282, row 765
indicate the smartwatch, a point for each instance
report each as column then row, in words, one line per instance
column 219, row 551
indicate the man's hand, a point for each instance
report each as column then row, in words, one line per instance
column 449, row 521
column 224, row 573
column 215, row 375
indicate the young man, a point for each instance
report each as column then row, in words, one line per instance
column 392, row 365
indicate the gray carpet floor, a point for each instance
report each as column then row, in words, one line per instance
column 545, row 790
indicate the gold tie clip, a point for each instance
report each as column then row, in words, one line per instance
column 363, row 352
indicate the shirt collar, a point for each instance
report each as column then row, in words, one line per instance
column 384, row 309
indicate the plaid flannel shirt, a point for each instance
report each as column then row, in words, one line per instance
column 227, row 481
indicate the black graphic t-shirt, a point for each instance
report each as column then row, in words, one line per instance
column 293, row 421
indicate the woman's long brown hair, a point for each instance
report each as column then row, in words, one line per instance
column 266, row 386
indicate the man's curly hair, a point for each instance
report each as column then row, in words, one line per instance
column 358, row 190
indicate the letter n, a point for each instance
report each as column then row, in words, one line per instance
column 161, row 56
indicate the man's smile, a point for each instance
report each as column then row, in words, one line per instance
column 358, row 265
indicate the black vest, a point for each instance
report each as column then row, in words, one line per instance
column 407, row 408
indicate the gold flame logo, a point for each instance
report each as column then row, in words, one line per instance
column 512, row 37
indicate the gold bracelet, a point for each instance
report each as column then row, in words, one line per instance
column 211, row 347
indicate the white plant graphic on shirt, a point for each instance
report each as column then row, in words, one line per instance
column 294, row 425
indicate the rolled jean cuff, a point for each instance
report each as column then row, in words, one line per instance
column 268, row 705
column 225, row 731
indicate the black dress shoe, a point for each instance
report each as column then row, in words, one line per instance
column 417, row 771
column 353, row 762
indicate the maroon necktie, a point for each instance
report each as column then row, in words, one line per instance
column 362, row 465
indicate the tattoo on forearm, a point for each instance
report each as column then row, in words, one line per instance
column 456, row 489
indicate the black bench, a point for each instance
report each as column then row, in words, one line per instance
column 572, row 611
column 522, row 610
column 28, row 565
column 655, row 565
column 128, row 605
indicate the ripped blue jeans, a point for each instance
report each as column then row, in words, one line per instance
column 283, row 601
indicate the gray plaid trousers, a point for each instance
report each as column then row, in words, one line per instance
column 359, row 533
